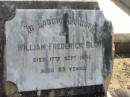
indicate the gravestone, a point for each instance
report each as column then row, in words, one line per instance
column 59, row 48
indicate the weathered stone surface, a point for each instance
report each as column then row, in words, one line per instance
column 50, row 4
column 4, row 9
column 7, row 12
column 53, row 48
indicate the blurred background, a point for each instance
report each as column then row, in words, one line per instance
column 118, row 11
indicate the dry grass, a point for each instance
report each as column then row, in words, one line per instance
column 121, row 74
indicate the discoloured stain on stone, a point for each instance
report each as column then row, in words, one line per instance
column 65, row 27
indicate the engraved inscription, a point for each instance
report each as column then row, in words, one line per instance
column 58, row 49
